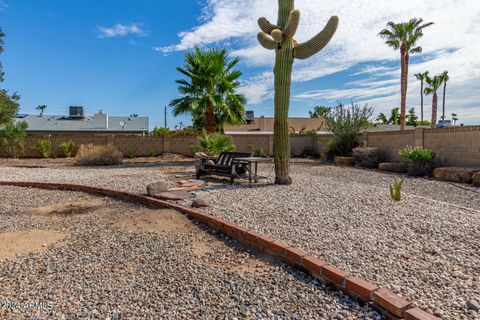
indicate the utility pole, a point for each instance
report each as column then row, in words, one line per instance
column 165, row 116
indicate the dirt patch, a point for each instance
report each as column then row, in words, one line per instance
column 68, row 208
column 255, row 266
column 163, row 222
column 20, row 243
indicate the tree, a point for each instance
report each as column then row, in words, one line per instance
column 209, row 90
column 279, row 37
column 421, row 76
column 41, row 109
column 346, row 124
column 13, row 137
column 432, row 87
column 8, row 103
column 393, row 119
column 454, row 118
column 412, row 117
column 444, row 78
column 320, row 112
column 404, row 36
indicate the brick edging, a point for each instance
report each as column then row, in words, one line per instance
column 391, row 305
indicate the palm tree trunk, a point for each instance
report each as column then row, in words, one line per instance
column 403, row 87
column 434, row 110
column 443, row 107
column 210, row 125
column 421, row 101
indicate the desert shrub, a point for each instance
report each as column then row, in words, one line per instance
column 346, row 124
column 190, row 131
column 420, row 162
column 92, row 155
column 13, row 137
column 396, row 188
column 257, row 151
column 67, row 148
column 44, row 148
column 215, row 143
column 368, row 157
column 131, row 152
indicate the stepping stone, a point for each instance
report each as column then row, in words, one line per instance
column 173, row 195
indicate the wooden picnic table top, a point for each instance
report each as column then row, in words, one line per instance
column 253, row 159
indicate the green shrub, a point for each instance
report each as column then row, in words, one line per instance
column 368, row 157
column 92, row 155
column 44, row 148
column 396, row 188
column 215, row 143
column 160, row 131
column 190, row 131
column 151, row 152
column 131, row 152
column 13, row 137
column 420, row 162
column 346, row 124
column 67, row 148
column 257, row 151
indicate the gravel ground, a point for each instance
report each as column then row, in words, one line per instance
column 108, row 267
column 425, row 250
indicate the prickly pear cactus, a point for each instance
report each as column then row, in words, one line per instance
column 279, row 37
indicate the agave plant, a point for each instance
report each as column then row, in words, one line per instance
column 215, row 143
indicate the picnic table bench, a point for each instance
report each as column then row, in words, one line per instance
column 224, row 165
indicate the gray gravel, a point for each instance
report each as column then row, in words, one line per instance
column 106, row 272
column 424, row 250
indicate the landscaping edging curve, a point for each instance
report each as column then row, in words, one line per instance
column 391, row 305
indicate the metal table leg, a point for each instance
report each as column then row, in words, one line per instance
column 249, row 172
column 256, row 172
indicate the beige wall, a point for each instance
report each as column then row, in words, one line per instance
column 266, row 124
column 454, row 146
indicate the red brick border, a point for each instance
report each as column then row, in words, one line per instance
column 390, row 304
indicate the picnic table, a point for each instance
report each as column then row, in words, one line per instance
column 252, row 163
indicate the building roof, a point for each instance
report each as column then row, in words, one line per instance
column 264, row 124
column 97, row 122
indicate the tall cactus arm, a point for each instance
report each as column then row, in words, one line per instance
column 266, row 41
column 292, row 24
column 317, row 43
column 266, row 26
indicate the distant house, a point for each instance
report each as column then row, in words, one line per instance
column 265, row 125
column 77, row 121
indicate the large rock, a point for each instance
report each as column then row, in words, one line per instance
column 156, row 188
column 343, row 161
column 395, row 167
column 455, row 174
column 173, row 195
column 200, row 202
column 476, row 179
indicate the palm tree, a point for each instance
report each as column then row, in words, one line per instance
column 393, row 119
column 209, row 90
column 432, row 87
column 41, row 109
column 404, row 36
column 444, row 78
column 421, row 76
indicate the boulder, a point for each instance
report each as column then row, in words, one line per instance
column 395, row 167
column 156, row 187
column 454, row 174
column 343, row 161
column 173, row 195
column 201, row 202
column 476, row 179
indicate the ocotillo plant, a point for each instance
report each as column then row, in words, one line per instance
column 279, row 37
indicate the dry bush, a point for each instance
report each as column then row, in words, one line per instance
column 93, row 155
column 368, row 157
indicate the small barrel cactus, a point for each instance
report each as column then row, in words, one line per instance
column 396, row 188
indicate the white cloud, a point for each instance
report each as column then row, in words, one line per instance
column 452, row 44
column 121, row 30
column 3, row 6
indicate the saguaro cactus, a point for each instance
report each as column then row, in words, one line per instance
column 279, row 37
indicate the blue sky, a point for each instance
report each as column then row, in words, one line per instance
column 120, row 56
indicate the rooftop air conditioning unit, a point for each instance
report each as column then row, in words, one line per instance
column 76, row 112
column 250, row 117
